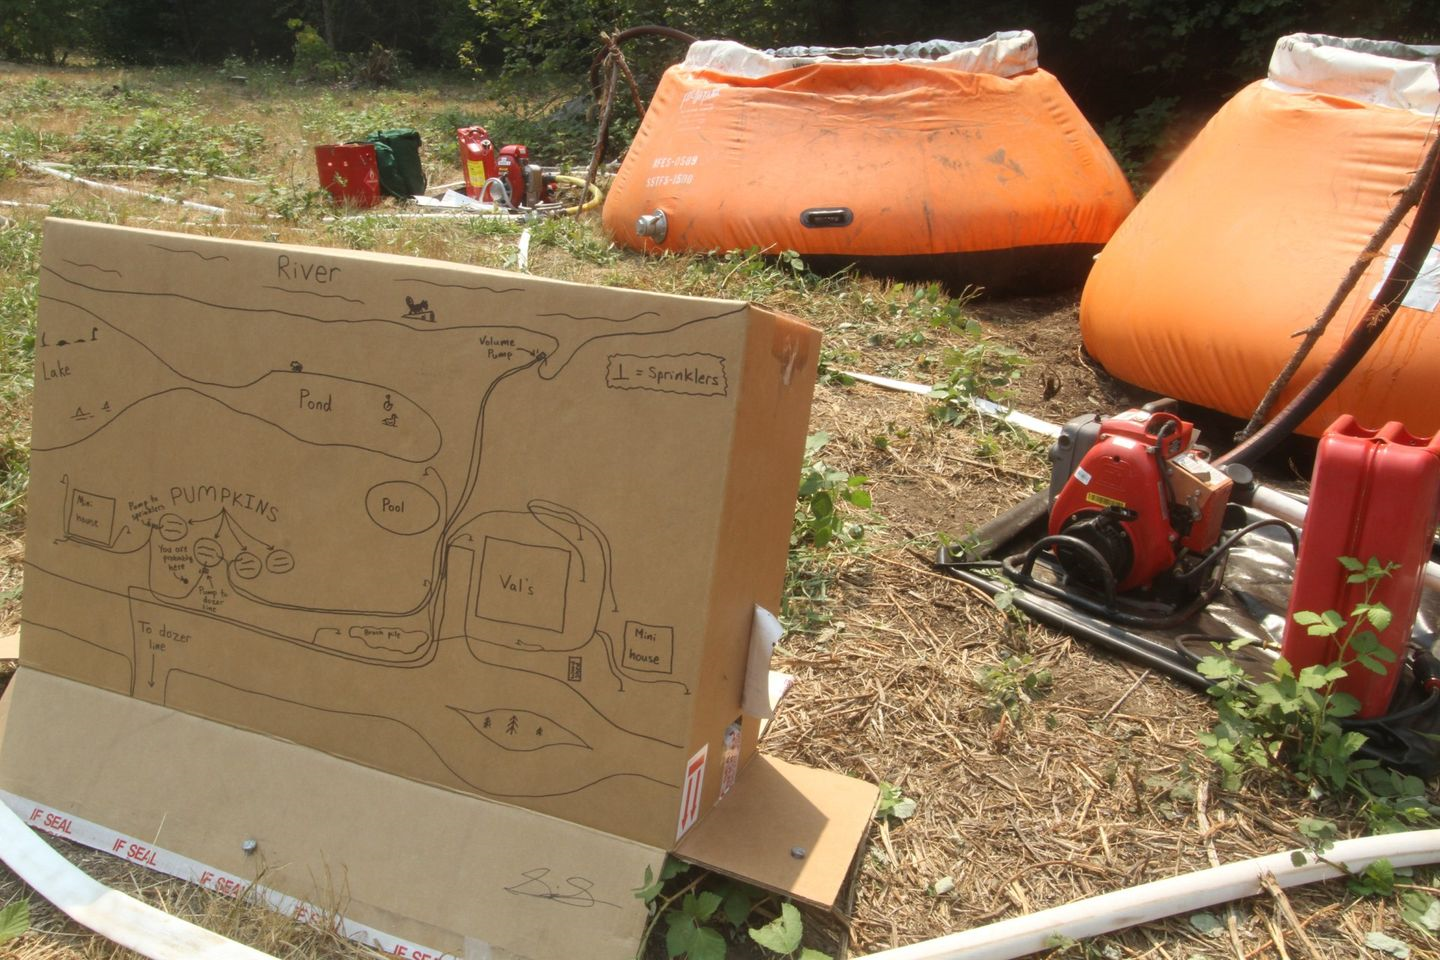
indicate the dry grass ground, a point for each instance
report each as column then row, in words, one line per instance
column 1093, row 784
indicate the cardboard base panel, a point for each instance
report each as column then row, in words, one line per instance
column 413, row 867
column 459, row 875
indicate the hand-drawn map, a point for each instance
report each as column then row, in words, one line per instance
column 455, row 524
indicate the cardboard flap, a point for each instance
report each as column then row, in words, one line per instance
column 416, row 864
column 787, row 828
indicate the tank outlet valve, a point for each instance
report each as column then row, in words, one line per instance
column 652, row 225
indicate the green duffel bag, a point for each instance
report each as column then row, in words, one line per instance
column 397, row 154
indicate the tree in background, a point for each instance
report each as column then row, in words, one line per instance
column 44, row 30
column 1141, row 69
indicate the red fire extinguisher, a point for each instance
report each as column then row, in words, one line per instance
column 477, row 160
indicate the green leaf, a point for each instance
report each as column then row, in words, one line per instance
column 1207, row 923
column 1388, row 944
column 1343, row 705
column 651, row 888
column 809, row 954
column 673, row 868
column 738, row 903
column 814, row 442
column 14, row 919
column 1217, row 668
column 1350, row 742
column 1379, row 616
column 1306, row 617
column 701, row 906
column 707, row 945
column 1351, row 564
column 1376, row 879
column 1372, row 662
column 1421, row 911
column 781, row 935
column 1318, row 831
column 681, row 935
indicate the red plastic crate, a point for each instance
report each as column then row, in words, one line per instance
column 1375, row 493
column 349, row 172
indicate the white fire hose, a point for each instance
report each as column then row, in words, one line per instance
column 1031, row 933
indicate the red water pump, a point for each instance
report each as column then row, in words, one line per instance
column 1133, row 498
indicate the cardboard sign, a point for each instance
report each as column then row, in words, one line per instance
column 491, row 533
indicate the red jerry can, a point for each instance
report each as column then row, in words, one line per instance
column 349, row 172
column 1374, row 493
column 477, row 160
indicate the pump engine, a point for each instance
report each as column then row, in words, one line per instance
column 1133, row 498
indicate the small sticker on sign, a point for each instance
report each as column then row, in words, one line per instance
column 1083, row 475
column 1424, row 293
column 690, row 796
column 732, row 758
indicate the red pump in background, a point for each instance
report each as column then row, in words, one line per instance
column 477, row 160
column 1374, row 493
column 513, row 159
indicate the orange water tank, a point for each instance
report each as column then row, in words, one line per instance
column 961, row 162
column 1240, row 245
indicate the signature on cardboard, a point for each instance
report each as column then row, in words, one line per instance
column 572, row 891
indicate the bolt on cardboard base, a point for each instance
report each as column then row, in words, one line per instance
column 481, row 547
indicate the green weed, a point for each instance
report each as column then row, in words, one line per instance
column 1288, row 723
column 577, row 237
column 292, row 202
column 752, row 274
column 705, row 913
column 1013, row 684
column 165, row 138
column 831, row 370
column 824, row 522
column 14, row 920
column 31, row 143
column 983, row 370
column 893, row 803
column 930, row 306
column 819, row 515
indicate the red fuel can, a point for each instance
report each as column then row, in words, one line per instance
column 477, row 159
column 1374, row 493
column 349, row 173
